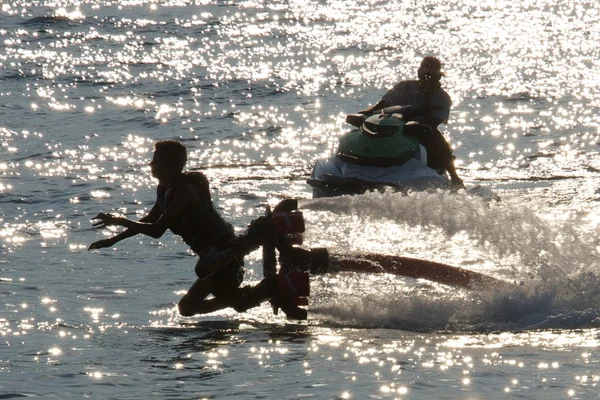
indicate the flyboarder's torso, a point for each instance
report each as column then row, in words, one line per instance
column 198, row 223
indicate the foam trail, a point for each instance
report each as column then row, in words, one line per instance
column 554, row 246
column 512, row 309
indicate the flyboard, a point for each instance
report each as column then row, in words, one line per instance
column 288, row 287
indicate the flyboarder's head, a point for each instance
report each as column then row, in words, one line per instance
column 430, row 72
column 168, row 161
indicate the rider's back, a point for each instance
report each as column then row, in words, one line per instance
column 408, row 93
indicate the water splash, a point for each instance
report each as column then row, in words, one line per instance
column 557, row 282
column 539, row 242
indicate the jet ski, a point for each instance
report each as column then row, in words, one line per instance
column 383, row 152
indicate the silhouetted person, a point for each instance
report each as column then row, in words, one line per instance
column 426, row 92
column 184, row 206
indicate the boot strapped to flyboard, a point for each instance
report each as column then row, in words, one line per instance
column 293, row 287
column 279, row 229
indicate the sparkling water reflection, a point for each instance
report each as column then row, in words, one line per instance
column 258, row 90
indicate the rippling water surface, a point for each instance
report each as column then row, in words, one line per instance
column 257, row 90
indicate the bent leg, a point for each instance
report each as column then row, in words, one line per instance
column 194, row 301
column 247, row 297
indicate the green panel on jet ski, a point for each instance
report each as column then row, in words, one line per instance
column 394, row 150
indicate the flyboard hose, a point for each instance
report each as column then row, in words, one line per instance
column 288, row 288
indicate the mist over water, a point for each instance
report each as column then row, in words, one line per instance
column 257, row 91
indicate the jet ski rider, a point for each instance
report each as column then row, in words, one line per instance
column 426, row 92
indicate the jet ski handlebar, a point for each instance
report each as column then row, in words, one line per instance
column 407, row 113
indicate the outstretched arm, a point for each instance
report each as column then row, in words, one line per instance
column 154, row 225
column 112, row 240
column 108, row 220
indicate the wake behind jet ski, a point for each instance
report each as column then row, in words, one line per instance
column 387, row 150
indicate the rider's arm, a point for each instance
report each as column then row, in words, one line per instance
column 379, row 106
column 158, row 227
column 107, row 219
column 151, row 217
column 442, row 102
column 432, row 120
column 438, row 113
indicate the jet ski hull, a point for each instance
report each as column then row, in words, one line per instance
column 334, row 177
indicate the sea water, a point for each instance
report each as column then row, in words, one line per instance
column 257, row 91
